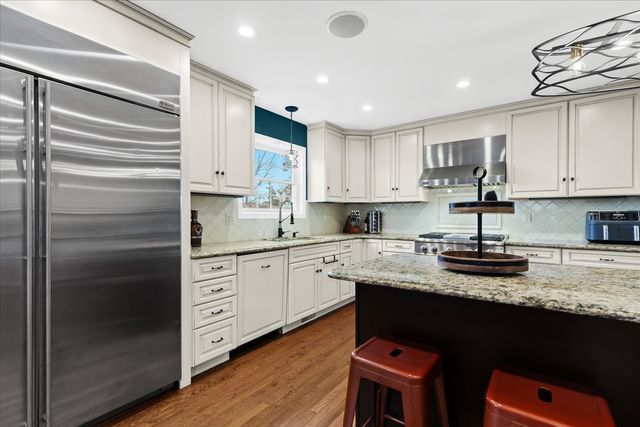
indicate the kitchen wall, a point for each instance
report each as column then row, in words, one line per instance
column 213, row 213
column 549, row 219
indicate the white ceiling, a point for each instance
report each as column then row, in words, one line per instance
column 406, row 64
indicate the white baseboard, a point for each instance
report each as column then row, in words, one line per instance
column 291, row 326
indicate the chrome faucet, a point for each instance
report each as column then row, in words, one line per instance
column 281, row 220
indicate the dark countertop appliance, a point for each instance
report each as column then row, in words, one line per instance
column 613, row 226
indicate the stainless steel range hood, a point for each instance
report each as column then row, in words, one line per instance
column 451, row 164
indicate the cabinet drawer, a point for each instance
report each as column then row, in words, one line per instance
column 313, row 251
column 398, row 246
column 210, row 268
column 588, row 258
column 211, row 290
column 206, row 314
column 346, row 246
column 537, row 255
column 214, row 340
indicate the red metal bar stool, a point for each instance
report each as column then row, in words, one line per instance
column 517, row 400
column 409, row 369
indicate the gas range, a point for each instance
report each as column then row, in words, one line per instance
column 432, row 243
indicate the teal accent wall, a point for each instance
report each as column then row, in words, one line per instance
column 279, row 127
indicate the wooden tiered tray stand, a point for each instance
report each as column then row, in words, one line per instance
column 480, row 261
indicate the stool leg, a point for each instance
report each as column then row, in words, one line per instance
column 381, row 408
column 352, row 396
column 441, row 401
column 414, row 406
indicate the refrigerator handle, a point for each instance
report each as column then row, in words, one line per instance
column 28, row 99
column 45, row 165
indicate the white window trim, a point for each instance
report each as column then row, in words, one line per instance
column 300, row 208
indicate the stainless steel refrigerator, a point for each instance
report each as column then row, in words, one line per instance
column 89, row 226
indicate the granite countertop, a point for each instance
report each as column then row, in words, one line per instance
column 575, row 244
column 601, row 292
column 255, row 246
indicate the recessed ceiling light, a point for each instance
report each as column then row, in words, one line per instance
column 367, row 107
column 463, row 83
column 323, row 80
column 245, row 31
column 347, row 24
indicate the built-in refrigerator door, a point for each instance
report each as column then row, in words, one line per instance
column 112, row 215
column 16, row 94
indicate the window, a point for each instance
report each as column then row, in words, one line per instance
column 274, row 181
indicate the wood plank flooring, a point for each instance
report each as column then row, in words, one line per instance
column 298, row 379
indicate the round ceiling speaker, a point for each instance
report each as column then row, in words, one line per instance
column 347, row 24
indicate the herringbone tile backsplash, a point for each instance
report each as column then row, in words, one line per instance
column 549, row 219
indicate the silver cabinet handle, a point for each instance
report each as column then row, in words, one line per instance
column 217, row 290
column 217, row 341
column 319, row 270
column 330, row 262
column 217, row 311
column 266, row 266
column 607, row 259
column 220, row 267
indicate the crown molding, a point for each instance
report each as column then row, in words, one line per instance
column 144, row 17
column 217, row 75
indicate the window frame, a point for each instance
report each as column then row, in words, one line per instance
column 263, row 142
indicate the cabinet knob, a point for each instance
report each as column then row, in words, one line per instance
column 217, row 172
column 328, row 188
column 347, row 189
column 573, row 179
column 564, row 179
column 222, row 173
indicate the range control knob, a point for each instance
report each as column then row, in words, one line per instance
column 434, row 249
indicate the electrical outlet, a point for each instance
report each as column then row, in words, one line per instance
column 229, row 218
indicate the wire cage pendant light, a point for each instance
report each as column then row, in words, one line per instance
column 292, row 155
column 599, row 58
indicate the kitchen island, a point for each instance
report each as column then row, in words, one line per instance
column 575, row 323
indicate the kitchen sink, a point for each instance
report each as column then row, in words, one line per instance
column 287, row 239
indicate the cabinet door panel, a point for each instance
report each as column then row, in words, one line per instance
column 329, row 288
column 347, row 289
column 408, row 165
column 372, row 249
column 382, row 167
column 537, row 152
column 334, row 166
column 203, row 148
column 604, row 146
column 261, row 293
column 303, row 278
column 236, row 142
column 357, row 169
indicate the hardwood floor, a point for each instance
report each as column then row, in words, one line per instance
column 298, row 379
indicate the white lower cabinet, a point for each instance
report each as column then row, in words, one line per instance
column 347, row 289
column 372, row 249
column 303, row 281
column 262, row 280
column 215, row 308
column 214, row 340
column 606, row 259
column 537, row 255
column 329, row 288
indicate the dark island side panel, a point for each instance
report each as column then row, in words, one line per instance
column 476, row 336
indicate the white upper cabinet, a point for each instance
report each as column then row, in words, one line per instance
column 221, row 153
column 236, row 141
column 396, row 165
column 408, row 165
column 604, row 145
column 204, row 138
column 537, row 152
column 325, row 163
column 383, row 167
column 357, row 169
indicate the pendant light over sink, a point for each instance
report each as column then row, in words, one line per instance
column 292, row 155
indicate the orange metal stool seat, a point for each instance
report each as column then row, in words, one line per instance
column 514, row 400
column 408, row 368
